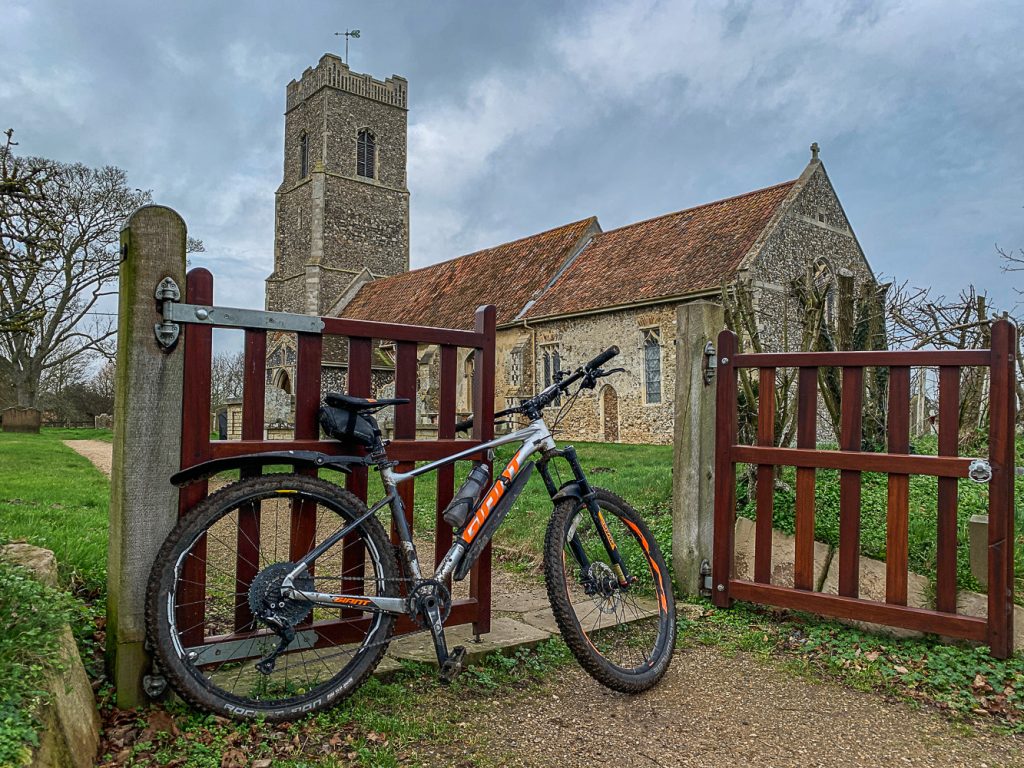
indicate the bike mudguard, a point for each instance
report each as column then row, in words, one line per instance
column 569, row 490
column 304, row 459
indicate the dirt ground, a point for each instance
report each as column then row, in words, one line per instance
column 715, row 711
column 712, row 710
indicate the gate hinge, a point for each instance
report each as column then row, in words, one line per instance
column 705, row 579
column 710, row 362
column 167, row 331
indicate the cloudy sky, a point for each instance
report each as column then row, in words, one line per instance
column 526, row 115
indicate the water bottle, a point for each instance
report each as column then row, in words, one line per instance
column 462, row 503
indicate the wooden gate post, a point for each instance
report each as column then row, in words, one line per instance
column 692, row 488
column 147, row 439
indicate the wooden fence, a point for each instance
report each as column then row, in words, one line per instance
column 897, row 462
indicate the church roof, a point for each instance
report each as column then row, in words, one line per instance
column 548, row 274
column 446, row 295
column 680, row 253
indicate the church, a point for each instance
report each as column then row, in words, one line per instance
column 342, row 249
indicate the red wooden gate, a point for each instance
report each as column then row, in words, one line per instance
column 898, row 463
column 196, row 445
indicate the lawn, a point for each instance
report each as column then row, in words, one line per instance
column 54, row 498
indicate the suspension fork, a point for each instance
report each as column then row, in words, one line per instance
column 589, row 498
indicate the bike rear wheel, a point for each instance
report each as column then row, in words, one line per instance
column 623, row 637
column 218, row 576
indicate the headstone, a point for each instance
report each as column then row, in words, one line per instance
column 22, row 420
column 103, row 421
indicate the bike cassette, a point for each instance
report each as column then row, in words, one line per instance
column 267, row 602
column 420, row 598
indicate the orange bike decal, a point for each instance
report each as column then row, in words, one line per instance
column 344, row 600
column 496, row 492
column 647, row 551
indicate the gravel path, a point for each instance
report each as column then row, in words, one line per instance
column 711, row 710
column 96, row 451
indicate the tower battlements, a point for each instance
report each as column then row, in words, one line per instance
column 332, row 72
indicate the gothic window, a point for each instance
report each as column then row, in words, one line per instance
column 366, row 155
column 303, row 156
column 651, row 344
column 825, row 283
column 515, row 368
column 468, row 373
column 551, row 362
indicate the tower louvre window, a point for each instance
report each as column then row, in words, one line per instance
column 303, row 156
column 366, row 155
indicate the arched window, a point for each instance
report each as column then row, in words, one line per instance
column 366, row 155
column 303, row 155
column 651, row 342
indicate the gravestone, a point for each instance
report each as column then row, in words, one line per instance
column 22, row 420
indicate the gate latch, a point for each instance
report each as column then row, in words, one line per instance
column 980, row 471
column 166, row 331
column 710, row 363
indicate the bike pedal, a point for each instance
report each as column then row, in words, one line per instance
column 453, row 665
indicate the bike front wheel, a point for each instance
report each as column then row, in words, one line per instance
column 623, row 636
column 217, row 579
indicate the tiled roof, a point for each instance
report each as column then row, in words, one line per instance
column 672, row 255
column 446, row 295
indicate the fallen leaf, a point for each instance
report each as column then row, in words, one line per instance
column 262, row 763
column 233, row 758
column 160, row 721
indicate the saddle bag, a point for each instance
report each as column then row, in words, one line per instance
column 349, row 426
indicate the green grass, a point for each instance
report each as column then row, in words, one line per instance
column 54, row 498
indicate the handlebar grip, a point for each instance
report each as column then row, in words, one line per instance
column 464, row 426
column 603, row 358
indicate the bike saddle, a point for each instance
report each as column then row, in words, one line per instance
column 350, row 403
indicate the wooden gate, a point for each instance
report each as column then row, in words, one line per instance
column 196, row 445
column 897, row 462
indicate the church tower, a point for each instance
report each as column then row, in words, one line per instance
column 342, row 210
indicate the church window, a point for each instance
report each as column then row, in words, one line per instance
column 469, row 380
column 515, row 368
column 651, row 343
column 366, row 155
column 552, row 362
column 303, row 156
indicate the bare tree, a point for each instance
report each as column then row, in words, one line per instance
column 227, row 374
column 58, row 257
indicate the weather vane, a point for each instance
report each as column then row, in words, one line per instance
column 347, row 34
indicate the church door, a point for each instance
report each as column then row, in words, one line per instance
column 610, row 414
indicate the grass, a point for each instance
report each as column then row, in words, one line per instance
column 54, row 498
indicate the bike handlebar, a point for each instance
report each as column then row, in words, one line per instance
column 545, row 397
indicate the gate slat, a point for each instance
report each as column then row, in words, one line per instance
column 195, row 448
column 307, row 403
column 726, row 422
column 446, row 417
column 765, row 478
column 850, row 435
column 806, row 437
column 483, row 429
column 359, row 384
column 946, row 533
column 406, row 361
column 1002, row 413
column 254, row 387
column 897, row 510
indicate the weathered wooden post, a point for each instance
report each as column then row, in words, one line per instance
column 147, row 438
column 698, row 323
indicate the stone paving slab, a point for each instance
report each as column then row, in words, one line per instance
column 975, row 604
column 505, row 636
column 783, row 554
column 872, row 587
column 545, row 619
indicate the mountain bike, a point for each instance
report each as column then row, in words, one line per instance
column 246, row 621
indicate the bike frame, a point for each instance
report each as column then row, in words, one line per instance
column 534, row 438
